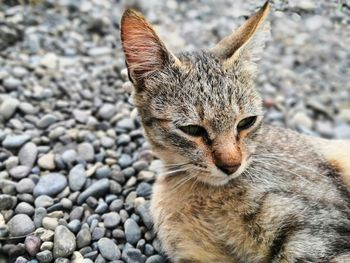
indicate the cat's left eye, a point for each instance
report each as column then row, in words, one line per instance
column 194, row 130
column 246, row 123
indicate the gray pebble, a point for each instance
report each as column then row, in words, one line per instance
column 77, row 177
column 50, row 184
column 15, row 141
column 342, row 131
column 83, row 237
column 101, row 208
column 127, row 124
column 86, row 151
column 156, row 259
column 20, row 225
column 144, row 190
column 107, row 111
column 108, row 249
column 39, row 214
column 143, row 211
column 116, row 205
column 124, row 160
column 43, row 201
column 96, row 189
column 24, row 208
column 46, row 121
column 76, row 213
column 20, row 171
column 27, row 154
column 98, row 233
column 12, row 83
column 103, row 172
column 64, row 242
column 132, row 231
column 111, row 220
column 8, row 107
column 74, row 225
column 44, row 256
column 7, row 202
column 132, row 255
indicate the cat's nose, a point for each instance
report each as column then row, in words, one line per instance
column 229, row 169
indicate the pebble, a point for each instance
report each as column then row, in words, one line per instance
column 77, row 177
column 39, row 214
column 27, row 154
column 132, row 231
column 20, row 172
column 124, row 160
column 44, row 256
column 24, row 208
column 143, row 210
column 32, row 245
column 96, row 189
column 50, row 184
column 43, row 201
column 47, row 161
column 107, row 111
column 7, row 202
column 156, row 259
column 74, row 225
column 86, row 151
column 64, row 242
column 83, row 237
column 50, row 223
column 20, row 225
column 8, row 107
column 342, row 131
column 132, row 255
column 111, row 220
column 12, row 83
column 108, row 249
column 144, row 189
column 15, row 141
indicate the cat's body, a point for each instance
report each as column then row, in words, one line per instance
column 233, row 190
column 258, row 217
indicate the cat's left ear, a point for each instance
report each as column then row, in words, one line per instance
column 144, row 52
column 244, row 46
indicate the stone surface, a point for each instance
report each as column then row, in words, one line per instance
column 50, row 184
column 64, row 242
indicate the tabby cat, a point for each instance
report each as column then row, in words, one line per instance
column 233, row 189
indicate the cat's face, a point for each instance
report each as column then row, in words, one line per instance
column 199, row 110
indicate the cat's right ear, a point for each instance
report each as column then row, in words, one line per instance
column 244, row 45
column 144, row 52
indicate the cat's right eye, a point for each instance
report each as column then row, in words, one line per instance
column 194, row 130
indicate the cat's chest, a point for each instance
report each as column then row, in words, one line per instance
column 204, row 225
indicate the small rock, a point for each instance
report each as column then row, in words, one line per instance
column 44, row 256
column 77, row 257
column 7, row 202
column 77, row 177
column 47, row 245
column 25, row 185
column 15, row 141
column 64, row 242
column 50, row 184
column 46, row 121
column 143, row 211
column 32, row 244
column 107, row 111
column 96, row 189
column 108, row 249
column 144, row 190
column 74, row 225
column 24, row 208
column 111, row 220
column 132, row 255
column 43, row 201
column 156, row 259
column 132, row 231
column 127, row 124
column 342, row 131
column 20, row 225
column 125, row 160
column 83, row 237
column 86, row 151
column 8, row 107
column 50, row 61
column 301, row 119
column 50, row 223
column 39, row 214
column 27, row 154
column 47, row 161
column 20, row 171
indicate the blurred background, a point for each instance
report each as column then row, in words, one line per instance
column 72, row 151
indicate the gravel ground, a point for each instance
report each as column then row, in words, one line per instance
column 76, row 173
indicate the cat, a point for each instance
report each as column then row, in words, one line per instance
column 233, row 189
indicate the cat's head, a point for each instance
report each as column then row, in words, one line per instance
column 199, row 110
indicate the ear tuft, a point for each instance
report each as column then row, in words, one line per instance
column 145, row 53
